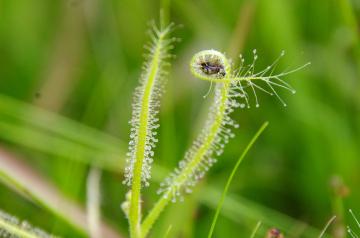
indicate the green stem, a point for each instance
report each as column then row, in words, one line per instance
column 14, row 229
column 186, row 172
column 135, row 209
column 38, row 196
column 255, row 230
column 223, row 195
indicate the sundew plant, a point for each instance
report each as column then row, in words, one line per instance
column 233, row 87
column 215, row 125
column 11, row 227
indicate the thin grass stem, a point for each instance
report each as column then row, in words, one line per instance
column 233, row 172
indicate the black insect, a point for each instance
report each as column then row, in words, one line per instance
column 210, row 68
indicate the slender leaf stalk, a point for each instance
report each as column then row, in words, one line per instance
column 255, row 230
column 144, row 122
column 140, row 152
column 16, row 230
column 181, row 179
column 241, row 158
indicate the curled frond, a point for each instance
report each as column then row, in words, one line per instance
column 10, row 226
column 146, row 102
column 231, row 85
column 209, row 65
column 245, row 81
column 212, row 66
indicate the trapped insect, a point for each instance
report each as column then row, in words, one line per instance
column 212, row 68
column 209, row 65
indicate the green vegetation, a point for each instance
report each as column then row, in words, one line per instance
column 67, row 75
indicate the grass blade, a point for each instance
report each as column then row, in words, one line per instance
column 222, row 199
column 256, row 228
column 327, row 226
column 28, row 183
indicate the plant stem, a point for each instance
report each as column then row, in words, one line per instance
column 16, row 230
column 93, row 200
column 135, row 209
column 256, row 228
column 223, row 195
column 186, row 172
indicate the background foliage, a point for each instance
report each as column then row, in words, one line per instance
column 67, row 73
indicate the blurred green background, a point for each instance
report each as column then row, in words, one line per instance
column 67, row 73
